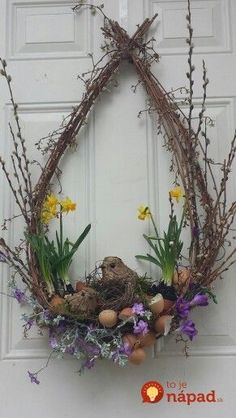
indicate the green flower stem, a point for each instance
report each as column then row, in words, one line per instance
column 166, row 249
column 66, row 279
column 168, row 272
column 61, row 232
column 50, row 287
column 154, row 225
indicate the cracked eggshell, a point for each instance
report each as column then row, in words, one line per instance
column 156, row 304
column 132, row 340
column 125, row 314
column 168, row 304
column 108, row 318
column 137, row 356
column 162, row 324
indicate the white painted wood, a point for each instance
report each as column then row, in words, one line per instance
column 118, row 165
column 210, row 19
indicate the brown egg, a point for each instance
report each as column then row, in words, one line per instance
column 132, row 340
column 57, row 304
column 162, row 324
column 108, row 318
column 156, row 305
column 56, row 300
column 147, row 340
column 168, row 304
column 80, row 286
column 126, row 313
column 137, row 356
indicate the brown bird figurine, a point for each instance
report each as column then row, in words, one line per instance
column 113, row 268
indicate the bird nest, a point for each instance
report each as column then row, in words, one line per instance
column 115, row 294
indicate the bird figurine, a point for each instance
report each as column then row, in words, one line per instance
column 113, row 268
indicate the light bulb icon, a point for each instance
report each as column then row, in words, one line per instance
column 152, row 392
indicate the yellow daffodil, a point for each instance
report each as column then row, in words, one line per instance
column 67, row 205
column 50, row 209
column 46, row 217
column 177, row 193
column 51, row 201
column 52, row 206
column 143, row 213
column 48, row 214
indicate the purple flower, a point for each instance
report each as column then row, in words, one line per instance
column 182, row 307
column 28, row 324
column 46, row 316
column 200, row 300
column 19, row 295
column 138, row 309
column 33, row 377
column 53, row 343
column 141, row 327
column 188, row 328
column 90, row 349
column 61, row 327
column 124, row 350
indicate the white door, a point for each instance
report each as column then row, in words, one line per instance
column 118, row 165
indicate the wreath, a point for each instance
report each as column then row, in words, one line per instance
column 113, row 312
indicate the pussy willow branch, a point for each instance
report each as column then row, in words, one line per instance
column 191, row 143
column 26, row 175
column 20, row 162
column 191, row 68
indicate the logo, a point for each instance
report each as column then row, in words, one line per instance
column 176, row 392
column 152, row 392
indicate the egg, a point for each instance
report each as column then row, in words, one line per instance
column 108, row 318
column 156, row 305
column 57, row 304
column 125, row 314
column 137, row 356
column 147, row 340
column 162, row 324
column 131, row 340
column 168, row 304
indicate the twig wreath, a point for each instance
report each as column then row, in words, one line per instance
column 114, row 313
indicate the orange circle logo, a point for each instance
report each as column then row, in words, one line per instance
column 152, row 392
